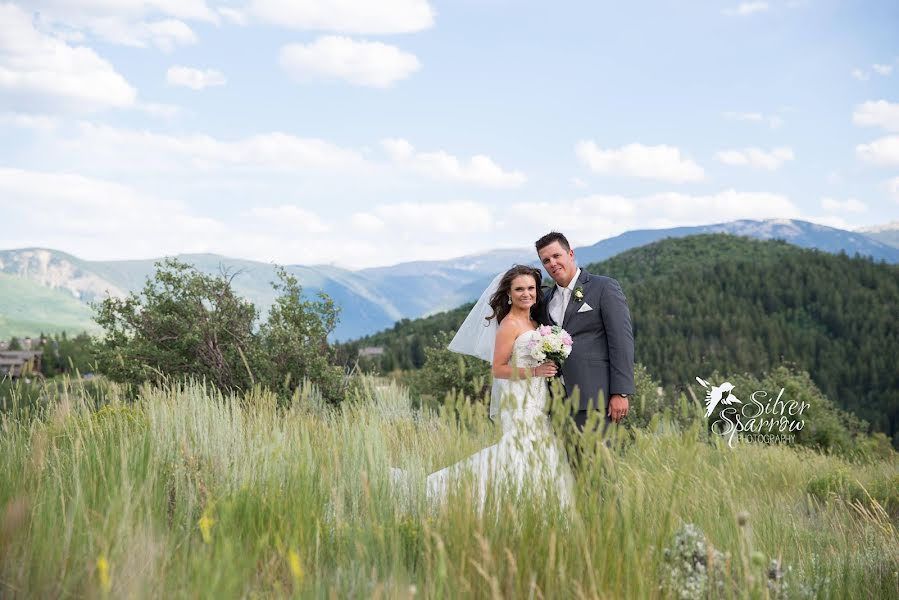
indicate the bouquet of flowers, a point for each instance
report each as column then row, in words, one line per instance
column 554, row 344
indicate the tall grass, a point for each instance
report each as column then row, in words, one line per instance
column 187, row 493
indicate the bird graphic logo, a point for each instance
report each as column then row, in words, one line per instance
column 714, row 394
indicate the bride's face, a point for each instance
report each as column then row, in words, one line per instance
column 523, row 291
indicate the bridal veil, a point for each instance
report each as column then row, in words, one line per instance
column 477, row 337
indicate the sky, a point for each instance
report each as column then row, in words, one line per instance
column 359, row 133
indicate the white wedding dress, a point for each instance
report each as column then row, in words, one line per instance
column 528, row 455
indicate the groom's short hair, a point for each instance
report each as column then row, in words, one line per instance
column 549, row 238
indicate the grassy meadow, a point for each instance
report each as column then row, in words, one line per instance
column 188, row 494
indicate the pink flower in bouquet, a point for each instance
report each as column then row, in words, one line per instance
column 554, row 344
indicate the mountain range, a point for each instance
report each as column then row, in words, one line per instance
column 48, row 290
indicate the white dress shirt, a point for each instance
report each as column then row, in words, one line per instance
column 559, row 302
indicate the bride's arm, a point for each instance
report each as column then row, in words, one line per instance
column 502, row 353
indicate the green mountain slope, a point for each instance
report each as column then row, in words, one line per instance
column 718, row 302
column 28, row 308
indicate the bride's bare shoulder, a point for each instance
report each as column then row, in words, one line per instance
column 508, row 330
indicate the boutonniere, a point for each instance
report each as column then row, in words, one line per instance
column 579, row 294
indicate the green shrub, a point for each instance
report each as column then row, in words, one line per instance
column 189, row 325
column 844, row 485
column 446, row 372
column 652, row 407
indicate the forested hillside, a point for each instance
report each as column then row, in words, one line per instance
column 719, row 302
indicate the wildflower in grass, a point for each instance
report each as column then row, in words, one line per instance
column 693, row 568
column 103, row 574
column 205, row 523
column 296, row 569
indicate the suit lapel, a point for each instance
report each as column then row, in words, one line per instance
column 573, row 304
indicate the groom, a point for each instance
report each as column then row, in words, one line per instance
column 593, row 309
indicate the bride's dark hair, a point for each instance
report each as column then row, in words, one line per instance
column 499, row 301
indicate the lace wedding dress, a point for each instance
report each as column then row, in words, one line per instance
column 528, row 455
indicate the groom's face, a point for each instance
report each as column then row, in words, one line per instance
column 558, row 262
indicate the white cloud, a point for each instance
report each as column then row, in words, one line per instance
column 863, row 75
column 102, row 150
column 42, row 123
column 366, row 222
column 830, row 221
column 398, row 149
column 595, row 216
column 165, row 35
column 578, row 183
column 126, row 150
column 408, row 231
column 636, row 160
column 346, row 16
column 156, row 109
column 756, row 157
column 101, row 219
column 233, row 15
column 480, row 169
column 585, row 220
column 773, row 121
column 137, row 23
column 40, row 71
column 72, row 10
column 850, row 205
column 371, row 64
column 893, row 188
column 590, row 218
column 97, row 218
column 62, row 210
column 289, row 218
column 878, row 113
column 748, row 8
column 723, row 206
column 421, row 220
column 307, row 249
column 195, row 79
column 883, row 152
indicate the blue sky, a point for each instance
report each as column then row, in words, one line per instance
column 365, row 133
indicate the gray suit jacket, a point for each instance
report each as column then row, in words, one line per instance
column 601, row 362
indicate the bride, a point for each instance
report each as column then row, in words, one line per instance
column 528, row 456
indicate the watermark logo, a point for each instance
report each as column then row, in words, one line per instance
column 717, row 394
column 759, row 420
